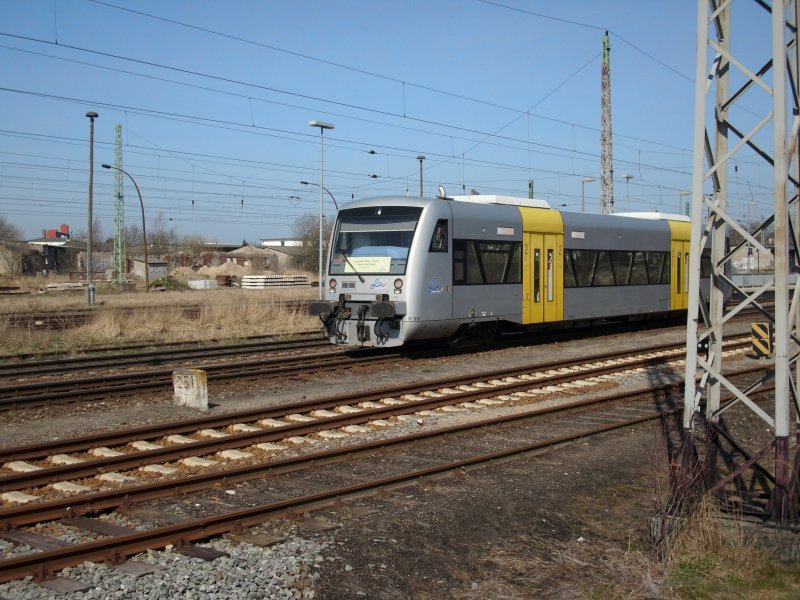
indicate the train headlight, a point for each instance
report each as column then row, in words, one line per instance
column 332, row 283
column 398, row 285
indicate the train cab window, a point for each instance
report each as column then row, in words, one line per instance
column 439, row 237
column 373, row 240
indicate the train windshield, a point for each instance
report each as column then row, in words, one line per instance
column 373, row 240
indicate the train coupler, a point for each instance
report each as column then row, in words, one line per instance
column 362, row 331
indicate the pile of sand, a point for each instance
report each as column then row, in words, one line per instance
column 227, row 268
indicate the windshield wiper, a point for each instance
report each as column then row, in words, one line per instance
column 343, row 253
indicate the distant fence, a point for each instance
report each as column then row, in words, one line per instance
column 756, row 280
column 256, row 282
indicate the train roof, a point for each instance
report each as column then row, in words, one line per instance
column 655, row 215
column 508, row 200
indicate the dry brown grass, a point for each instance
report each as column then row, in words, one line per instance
column 590, row 568
column 121, row 318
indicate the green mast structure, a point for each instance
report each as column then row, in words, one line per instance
column 120, row 270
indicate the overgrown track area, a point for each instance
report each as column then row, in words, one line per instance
column 62, row 366
column 70, row 319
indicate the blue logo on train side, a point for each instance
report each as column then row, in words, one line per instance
column 434, row 287
column 377, row 284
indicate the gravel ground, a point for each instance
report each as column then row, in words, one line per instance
column 515, row 530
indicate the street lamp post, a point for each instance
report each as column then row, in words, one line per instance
column 322, row 127
column 584, row 181
column 324, row 188
column 420, row 158
column 144, row 228
column 89, row 266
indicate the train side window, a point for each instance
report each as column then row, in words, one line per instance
column 665, row 268
column 621, row 262
column 537, row 279
column 513, row 272
column 550, row 266
column 569, row 270
column 602, row 274
column 459, row 262
column 653, row 262
column 583, row 261
column 474, row 266
column 638, row 273
column 439, row 237
column 706, row 269
column 680, row 275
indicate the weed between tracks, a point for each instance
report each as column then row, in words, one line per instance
column 170, row 316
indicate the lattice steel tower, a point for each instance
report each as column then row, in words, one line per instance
column 120, row 270
column 714, row 458
column 606, row 159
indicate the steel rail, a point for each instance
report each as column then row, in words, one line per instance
column 122, row 348
column 67, row 365
column 74, row 506
column 150, row 432
column 115, row 549
column 132, row 460
column 71, row 390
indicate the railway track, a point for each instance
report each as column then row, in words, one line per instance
column 62, row 366
column 125, row 348
column 39, row 465
column 66, row 389
column 274, row 484
column 46, row 393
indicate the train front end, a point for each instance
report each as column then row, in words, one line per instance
column 364, row 300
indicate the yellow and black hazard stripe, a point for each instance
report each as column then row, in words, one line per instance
column 762, row 337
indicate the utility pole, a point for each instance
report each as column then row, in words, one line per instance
column 120, row 271
column 606, row 158
column 705, row 435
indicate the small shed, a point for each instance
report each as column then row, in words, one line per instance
column 157, row 268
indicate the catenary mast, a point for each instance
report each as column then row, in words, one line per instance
column 120, row 270
column 606, row 159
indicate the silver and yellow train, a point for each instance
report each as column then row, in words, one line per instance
column 403, row 269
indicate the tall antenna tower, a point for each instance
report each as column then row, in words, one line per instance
column 120, row 275
column 606, row 159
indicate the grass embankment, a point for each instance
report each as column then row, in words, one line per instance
column 134, row 317
column 713, row 558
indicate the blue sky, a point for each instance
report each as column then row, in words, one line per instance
column 214, row 100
